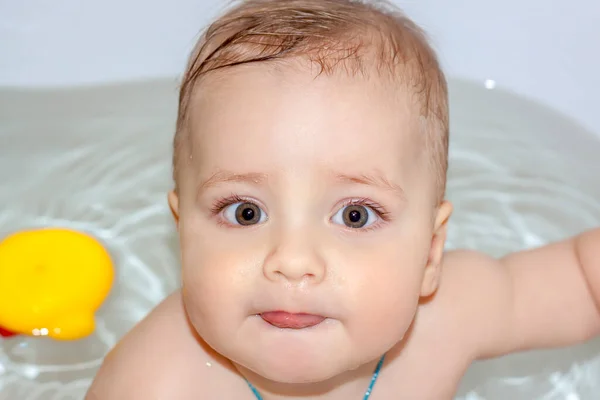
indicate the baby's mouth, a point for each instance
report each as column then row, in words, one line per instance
column 283, row 319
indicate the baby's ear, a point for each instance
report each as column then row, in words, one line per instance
column 174, row 205
column 433, row 269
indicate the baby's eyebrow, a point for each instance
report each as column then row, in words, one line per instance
column 256, row 178
column 219, row 177
column 373, row 179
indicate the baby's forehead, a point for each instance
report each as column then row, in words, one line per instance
column 266, row 120
column 275, row 101
column 278, row 89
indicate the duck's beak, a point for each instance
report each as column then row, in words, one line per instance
column 6, row 333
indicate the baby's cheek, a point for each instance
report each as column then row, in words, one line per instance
column 207, row 303
column 386, row 300
column 206, row 284
column 211, row 284
column 392, row 303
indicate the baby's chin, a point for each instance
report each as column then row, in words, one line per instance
column 299, row 370
column 304, row 366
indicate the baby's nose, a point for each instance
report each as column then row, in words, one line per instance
column 295, row 258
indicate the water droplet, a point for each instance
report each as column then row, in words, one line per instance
column 490, row 84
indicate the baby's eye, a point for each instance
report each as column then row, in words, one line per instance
column 355, row 216
column 244, row 213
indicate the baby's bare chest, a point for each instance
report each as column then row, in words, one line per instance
column 432, row 377
column 427, row 386
column 433, row 386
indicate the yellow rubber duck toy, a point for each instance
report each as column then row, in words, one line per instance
column 52, row 281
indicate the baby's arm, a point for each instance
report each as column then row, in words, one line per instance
column 556, row 292
column 545, row 297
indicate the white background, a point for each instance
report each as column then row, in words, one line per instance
column 545, row 49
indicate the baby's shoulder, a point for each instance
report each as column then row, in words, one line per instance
column 470, row 305
column 160, row 358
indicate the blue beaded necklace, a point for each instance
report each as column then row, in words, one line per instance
column 367, row 393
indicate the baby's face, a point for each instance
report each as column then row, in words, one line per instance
column 303, row 196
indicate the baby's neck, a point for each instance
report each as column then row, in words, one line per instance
column 347, row 386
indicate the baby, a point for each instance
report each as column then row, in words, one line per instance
column 310, row 162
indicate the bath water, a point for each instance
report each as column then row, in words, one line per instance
column 98, row 160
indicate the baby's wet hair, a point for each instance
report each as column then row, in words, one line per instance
column 356, row 37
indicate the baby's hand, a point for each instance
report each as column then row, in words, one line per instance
column 545, row 297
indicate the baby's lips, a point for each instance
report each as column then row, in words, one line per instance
column 72, row 326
